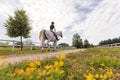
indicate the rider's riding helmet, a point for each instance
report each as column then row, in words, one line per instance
column 52, row 22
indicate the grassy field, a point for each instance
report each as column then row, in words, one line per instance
column 26, row 50
column 92, row 64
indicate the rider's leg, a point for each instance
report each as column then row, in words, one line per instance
column 56, row 36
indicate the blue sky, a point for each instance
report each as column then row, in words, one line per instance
column 94, row 20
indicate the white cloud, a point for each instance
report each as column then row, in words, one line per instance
column 103, row 22
column 83, row 16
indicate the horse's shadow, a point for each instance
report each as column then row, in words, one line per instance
column 52, row 50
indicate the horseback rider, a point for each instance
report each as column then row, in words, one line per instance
column 51, row 29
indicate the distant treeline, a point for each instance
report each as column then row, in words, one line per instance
column 79, row 43
column 110, row 41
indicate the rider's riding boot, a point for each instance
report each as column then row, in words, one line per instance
column 57, row 38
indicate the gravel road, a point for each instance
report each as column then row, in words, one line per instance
column 19, row 58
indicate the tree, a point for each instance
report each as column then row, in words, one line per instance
column 18, row 25
column 63, row 45
column 77, row 41
column 86, row 44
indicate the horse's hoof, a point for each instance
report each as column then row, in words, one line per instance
column 42, row 51
column 53, row 50
column 48, row 50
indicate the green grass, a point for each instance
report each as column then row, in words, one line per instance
column 26, row 50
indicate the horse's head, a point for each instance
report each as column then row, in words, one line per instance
column 60, row 33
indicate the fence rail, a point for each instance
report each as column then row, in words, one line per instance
column 111, row 45
column 12, row 44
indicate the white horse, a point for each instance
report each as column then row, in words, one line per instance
column 49, row 36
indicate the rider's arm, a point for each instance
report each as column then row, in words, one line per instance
column 54, row 29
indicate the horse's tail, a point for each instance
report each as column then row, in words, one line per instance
column 41, row 35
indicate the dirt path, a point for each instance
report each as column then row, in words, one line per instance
column 14, row 59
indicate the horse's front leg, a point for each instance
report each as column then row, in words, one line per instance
column 42, row 45
column 54, row 45
column 48, row 45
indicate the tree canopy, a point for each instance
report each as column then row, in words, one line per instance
column 110, row 41
column 86, row 43
column 77, row 41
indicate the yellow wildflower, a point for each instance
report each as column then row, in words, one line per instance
column 57, row 56
column 51, row 70
column 14, row 74
column 97, row 76
column 30, row 77
column 90, row 77
column 56, row 70
column 100, row 69
column 32, row 69
column 38, row 72
column 74, row 60
column 109, row 72
column 61, row 63
column 18, row 71
column 63, row 57
column 44, row 72
column 62, row 71
column 101, row 76
column 56, row 64
column 37, row 62
column 28, row 69
column 47, row 67
column 2, row 57
column 31, row 64
column 105, row 76
column 91, row 63
column 102, row 65
column 92, row 68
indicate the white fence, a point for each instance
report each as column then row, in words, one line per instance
column 111, row 45
column 12, row 44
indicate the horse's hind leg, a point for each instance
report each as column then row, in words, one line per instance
column 42, row 44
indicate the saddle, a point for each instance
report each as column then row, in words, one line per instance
column 55, row 35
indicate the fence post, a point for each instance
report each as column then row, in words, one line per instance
column 13, row 46
column 31, row 46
